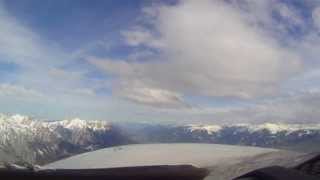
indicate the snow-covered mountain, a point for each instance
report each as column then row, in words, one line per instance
column 275, row 135
column 34, row 141
column 272, row 128
column 25, row 139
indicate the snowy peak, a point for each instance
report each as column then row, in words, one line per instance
column 19, row 122
column 32, row 140
column 77, row 123
column 20, row 118
column 272, row 128
column 37, row 141
column 275, row 128
column 210, row 129
column 15, row 119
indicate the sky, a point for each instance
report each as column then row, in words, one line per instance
column 188, row 61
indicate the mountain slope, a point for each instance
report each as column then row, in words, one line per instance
column 24, row 139
column 304, row 137
column 35, row 141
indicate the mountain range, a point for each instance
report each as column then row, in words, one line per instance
column 27, row 140
column 32, row 141
column 298, row 137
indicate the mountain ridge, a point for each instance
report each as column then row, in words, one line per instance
column 35, row 141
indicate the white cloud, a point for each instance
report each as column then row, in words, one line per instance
column 46, row 75
column 301, row 107
column 133, row 89
column 20, row 45
column 191, row 49
column 208, row 48
column 153, row 97
column 20, row 92
column 316, row 17
column 289, row 15
column 139, row 36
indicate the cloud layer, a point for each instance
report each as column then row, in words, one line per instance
column 207, row 48
column 223, row 61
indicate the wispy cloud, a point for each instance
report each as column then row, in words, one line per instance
column 153, row 97
column 47, row 73
column 20, row 92
column 20, row 45
column 316, row 17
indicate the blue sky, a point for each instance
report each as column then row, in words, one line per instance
column 161, row 61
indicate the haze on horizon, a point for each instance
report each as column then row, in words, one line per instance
column 161, row 61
